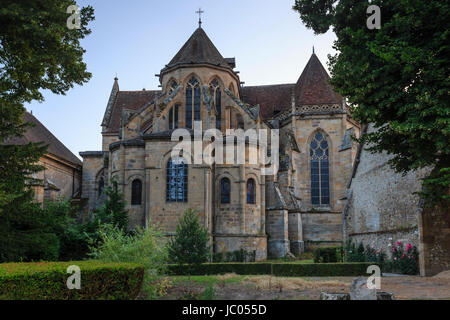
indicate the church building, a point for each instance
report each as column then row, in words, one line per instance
column 297, row 208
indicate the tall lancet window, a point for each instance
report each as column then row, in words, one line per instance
column 320, row 170
column 192, row 102
column 216, row 93
column 173, row 117
column 177, row 180
column 225, row 190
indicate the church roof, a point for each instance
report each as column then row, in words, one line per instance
column 39, row 133
column 271, row 98
column 199, row 49
column 313, row 88
column 131, row 100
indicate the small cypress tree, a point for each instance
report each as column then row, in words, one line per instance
column 190, row 244
column 113, row 210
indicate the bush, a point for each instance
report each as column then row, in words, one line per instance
column 47, row 281
column 145, row 247
column 276, row 269
column 190, row 244
column 235, row 256
column 404, row 260
column 327, row 254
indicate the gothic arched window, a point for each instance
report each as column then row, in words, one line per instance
column 192, row 102
column 225, row 190
column 320, row 169
column 251, row 191
column 136, row 192
column 176, row 180
column 173, row 117
column 216, row 93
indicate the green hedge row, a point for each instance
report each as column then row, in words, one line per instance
column 276, row 269
column 48, row 281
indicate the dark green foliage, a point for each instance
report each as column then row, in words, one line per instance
column 358, row 253
column 276, row 269
column 190, row 244
column 37, row 51
column 327, row 254
column 405, row 260
column 47, row 281
column 113, row 211
column 220, row 268
column 396, row 77
column 234, row 256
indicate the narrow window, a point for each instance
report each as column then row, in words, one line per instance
column 216, row 93
column 101, row 186
column 192, row 102
column 251, row 191
column 136, row 192
column 225, row 189
column 173, row 86
column 320, row 174
column 176, row 180
column 173, row 117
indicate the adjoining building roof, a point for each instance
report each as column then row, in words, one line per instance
column 199, row 49
column 313, row 88
column 271, row 98
column 39, row 133
column 131, row 100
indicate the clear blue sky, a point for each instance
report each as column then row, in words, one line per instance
column 136, row 38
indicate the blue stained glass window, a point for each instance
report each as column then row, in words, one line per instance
column 320, row 170
column 176, row 180
column 225, row 190
column 251, row 191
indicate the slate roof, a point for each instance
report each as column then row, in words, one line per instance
column 199, row 49
column 313, row 88
column 271, row 98
column 132, row 100
column 39, row 133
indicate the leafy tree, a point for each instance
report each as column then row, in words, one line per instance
column 37, row 51
column 396, row 77
column 190, row 244
column 113, row 210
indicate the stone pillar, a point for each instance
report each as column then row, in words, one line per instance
column 295, row 230
column 277, row 229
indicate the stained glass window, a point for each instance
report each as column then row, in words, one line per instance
column 251, row 191
column 216, row 93
column 173, row 117
column 176, row 180
column 136, row 192
column 320, row 171
column 225, row 190
column 192, row 102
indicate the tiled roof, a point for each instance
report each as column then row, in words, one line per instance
column 313, row 88
column 199, row 49
column 132, row 100
column 39, row 133
column 271, row 98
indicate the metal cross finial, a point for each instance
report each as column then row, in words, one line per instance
column 200, row 11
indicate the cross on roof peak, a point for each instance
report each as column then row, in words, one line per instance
column 199, row 12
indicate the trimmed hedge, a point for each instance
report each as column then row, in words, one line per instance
column 220, row 268
column 276, row 269
column 47, row 281
column 321, row 269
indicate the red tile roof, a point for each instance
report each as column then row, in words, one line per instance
column 39, row 133
column 132, row 100
column 271, row 98
column 313, row 88
column 199, row 49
